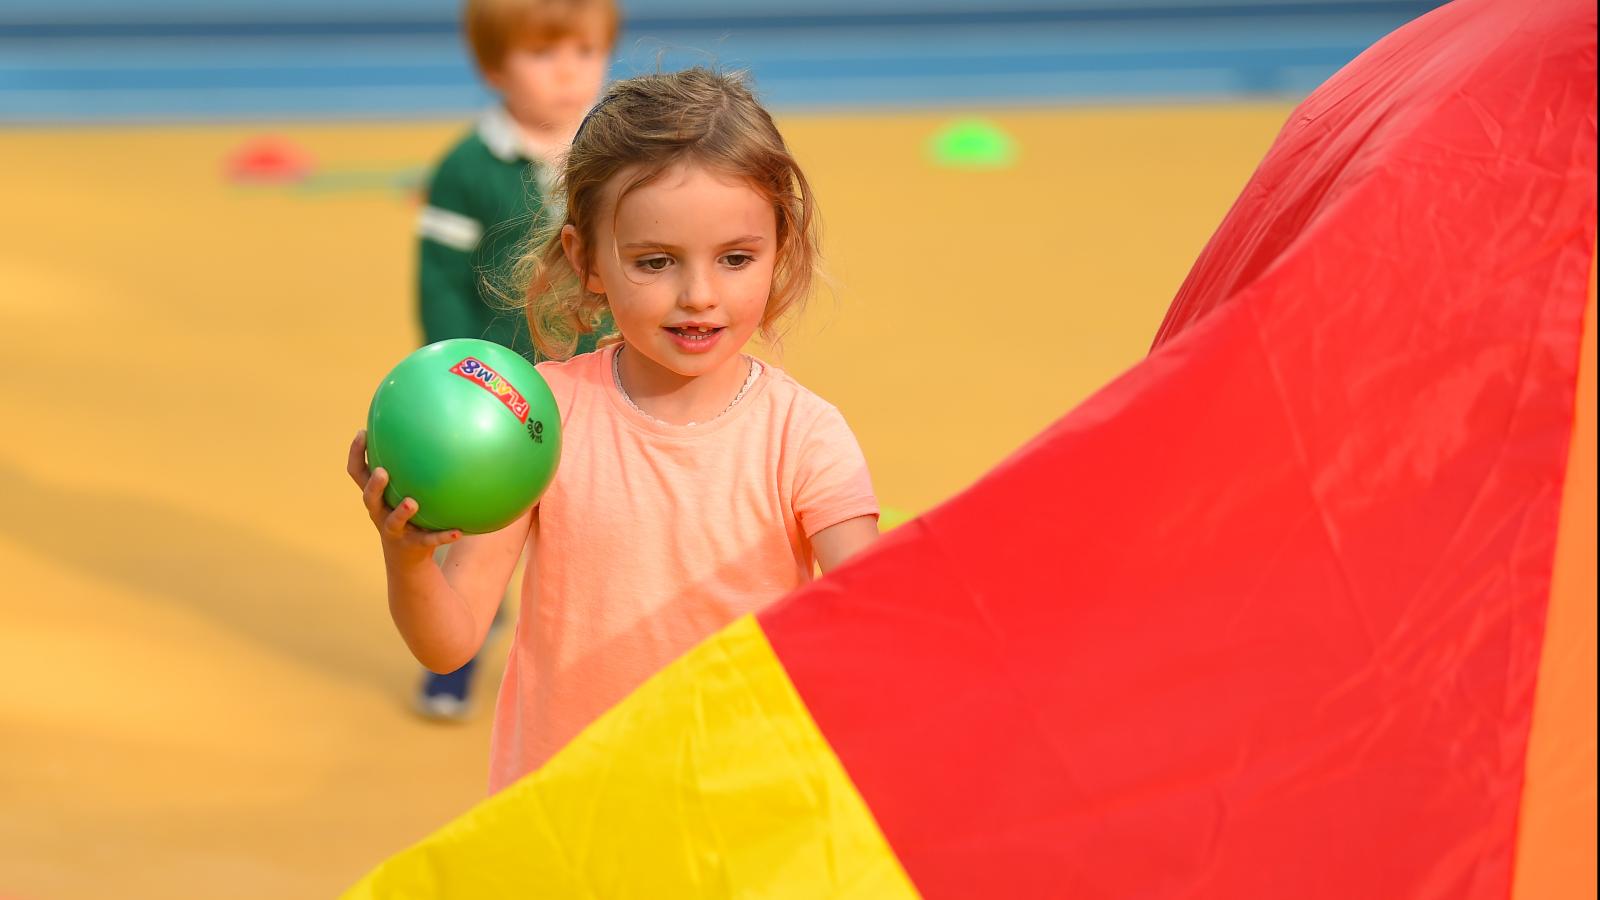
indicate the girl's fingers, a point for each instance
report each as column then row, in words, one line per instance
column 356, row 465
column 439, row 538
column 372, row 495
column 394, row 525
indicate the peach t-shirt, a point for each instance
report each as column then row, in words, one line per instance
column 653, row 536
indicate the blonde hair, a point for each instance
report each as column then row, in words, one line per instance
column 494, row 27
column 650, row 124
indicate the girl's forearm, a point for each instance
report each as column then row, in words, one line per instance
column 435, row 622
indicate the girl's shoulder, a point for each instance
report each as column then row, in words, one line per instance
column 797, row 406
column 814, row 443
column 788, row 391
column 569, row 377
column 576, row 370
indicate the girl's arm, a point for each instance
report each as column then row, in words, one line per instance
column 443, row 615
column 837, row 543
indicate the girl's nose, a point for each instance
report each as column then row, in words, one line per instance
column 697, row 291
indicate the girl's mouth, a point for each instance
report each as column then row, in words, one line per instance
column 694, row 338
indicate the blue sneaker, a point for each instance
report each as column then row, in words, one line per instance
column 445, row 697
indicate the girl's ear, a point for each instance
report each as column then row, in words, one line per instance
column 576, row 253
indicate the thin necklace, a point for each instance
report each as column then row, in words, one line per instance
column 616, row 375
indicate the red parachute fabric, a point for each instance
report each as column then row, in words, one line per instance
column 1263, row 618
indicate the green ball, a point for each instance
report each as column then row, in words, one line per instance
column 469, row 430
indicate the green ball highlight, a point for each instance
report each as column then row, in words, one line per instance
column 469, row 430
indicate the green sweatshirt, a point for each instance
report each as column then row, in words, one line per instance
column 484, row 200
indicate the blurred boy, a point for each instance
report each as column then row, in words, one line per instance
column 546, row 60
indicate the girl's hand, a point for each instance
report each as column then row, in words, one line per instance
column 404, row 545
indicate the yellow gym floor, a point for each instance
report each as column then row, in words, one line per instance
column 200, row 691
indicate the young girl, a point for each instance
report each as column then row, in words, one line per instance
column 697, row 484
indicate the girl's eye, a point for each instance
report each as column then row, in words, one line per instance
column 738, row 260
column 653, row 263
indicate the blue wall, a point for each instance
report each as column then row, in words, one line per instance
column 187, row 59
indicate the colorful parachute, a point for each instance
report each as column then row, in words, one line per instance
column 1301, row 606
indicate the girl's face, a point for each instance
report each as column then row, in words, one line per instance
column 686, row 267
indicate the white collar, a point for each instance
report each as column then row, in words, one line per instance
column 499, row 134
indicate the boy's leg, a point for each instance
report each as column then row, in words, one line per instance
column 445, row 697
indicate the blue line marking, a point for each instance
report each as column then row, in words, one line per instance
column 411, row 65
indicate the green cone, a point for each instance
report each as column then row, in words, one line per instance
column 973, row 144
